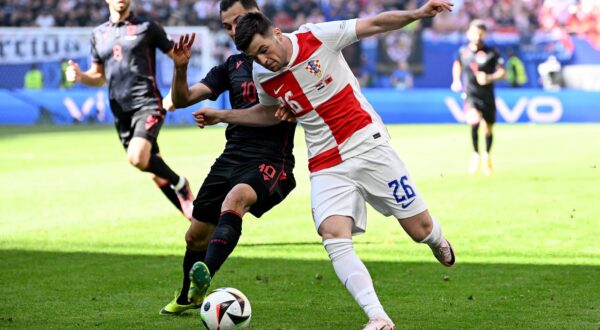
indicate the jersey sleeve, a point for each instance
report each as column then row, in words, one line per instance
column 335, row 35
column 159, row 37
column 263, row 97
column 95, row 55
column 217, row 79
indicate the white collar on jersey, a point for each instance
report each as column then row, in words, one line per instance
column 295, row 48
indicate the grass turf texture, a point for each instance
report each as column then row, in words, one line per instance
column 86, row 241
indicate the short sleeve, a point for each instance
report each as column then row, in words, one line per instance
column 95, row 54
column 263, row 97
column 217, row 79
column 335, row 35
column 159, row 37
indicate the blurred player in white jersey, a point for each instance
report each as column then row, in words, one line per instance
column 350, row 159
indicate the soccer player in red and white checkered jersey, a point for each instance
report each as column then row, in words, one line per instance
column 350, row 159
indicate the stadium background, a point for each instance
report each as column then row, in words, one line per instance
column 407, row 73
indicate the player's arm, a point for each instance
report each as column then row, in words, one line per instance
column 258, row 115
column 94, row 76
column 484, row 78
column 456, row 75
column 397, row 19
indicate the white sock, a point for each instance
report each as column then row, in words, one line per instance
column 180, row 184
column 354, row 275
column 434, row 239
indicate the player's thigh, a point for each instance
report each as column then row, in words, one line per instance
column 270, row 180
column 334, row 193
column 387, row 185
column 212, row 193
column 239, row 199
column 146, row 124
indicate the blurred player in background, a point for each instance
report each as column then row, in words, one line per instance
column 124, row 55
column 350, row 159
column 481, row 67
column 253, row 174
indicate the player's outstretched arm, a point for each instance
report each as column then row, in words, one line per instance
column 181, row 95
column 257, row 116
column 397, row 19
column 92, row 77
column 456, row 74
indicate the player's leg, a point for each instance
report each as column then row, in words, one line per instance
column 423, row 228
column 196, row 238
column 389, row 188
column 143, row 153
column 167, row 190
column 489, row 116
column 207, row 209
column 336, row 232
column 339, row 210
column 474, row 119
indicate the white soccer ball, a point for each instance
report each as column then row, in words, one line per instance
column 225, row 309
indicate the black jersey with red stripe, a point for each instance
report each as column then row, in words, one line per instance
column 235, row 76
column 127, row 51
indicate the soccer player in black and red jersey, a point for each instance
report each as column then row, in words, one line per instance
column 253, row 174
column 481, row 66
column 124, row 56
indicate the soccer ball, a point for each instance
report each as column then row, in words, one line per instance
column 225, row 309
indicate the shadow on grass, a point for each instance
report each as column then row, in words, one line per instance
column 83, row 290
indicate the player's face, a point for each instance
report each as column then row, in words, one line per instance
column 230, row 17
column 120, row 6
column 476, row 35
column 268, row 51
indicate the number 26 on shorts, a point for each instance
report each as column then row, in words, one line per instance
column 402, row 190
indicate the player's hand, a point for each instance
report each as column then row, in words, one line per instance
column 182, row 50
column 206, row 117
column 482, row 78
column 456, row 86
column 285, row 115
column 167, row 103
column 434, row 7
column 73, row 72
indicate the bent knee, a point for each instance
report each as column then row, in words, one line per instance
column 138, row 161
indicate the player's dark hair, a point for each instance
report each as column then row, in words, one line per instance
column 248, row 26
column 478, row 23
column 247, row 4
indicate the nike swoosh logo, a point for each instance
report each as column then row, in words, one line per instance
column 278, row 89
column 405, row 205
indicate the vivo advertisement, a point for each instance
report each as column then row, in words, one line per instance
column 90, row 106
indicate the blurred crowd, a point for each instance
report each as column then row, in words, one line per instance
column 384, row 61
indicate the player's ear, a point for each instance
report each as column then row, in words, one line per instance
column 277, row 33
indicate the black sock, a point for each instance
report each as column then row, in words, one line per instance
column 475, row 137
column 488, row 142
column 171, row 195
column 190, row 258
column 158, row 166
column 223, row 241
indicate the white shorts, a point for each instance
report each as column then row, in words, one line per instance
column 377, row 176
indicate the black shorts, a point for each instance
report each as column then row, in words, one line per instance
column 487, row 107
column 271, row 180
column 144, row 123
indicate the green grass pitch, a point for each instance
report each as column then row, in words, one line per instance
column 87, row 241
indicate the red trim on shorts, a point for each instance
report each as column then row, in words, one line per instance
column 232, row 212
column 307, row 45
column 324, row 160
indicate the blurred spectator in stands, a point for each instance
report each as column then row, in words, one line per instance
column 402, row 77
column 44, row 19
column 551, row 73
column 515, row 70
column 34, row 79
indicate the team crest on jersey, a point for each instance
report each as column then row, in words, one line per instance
column 131, row 31
column 314, row 67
